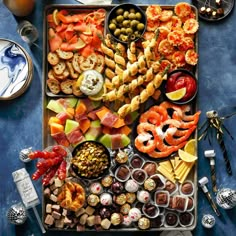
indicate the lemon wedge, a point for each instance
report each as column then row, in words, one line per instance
column 187, row 157
column 99, row 95
column 190, row 147
column 177, row 94
column 55, row 18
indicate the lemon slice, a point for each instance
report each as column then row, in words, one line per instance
column 187, row 157
column 54, row 17
column 99, row 95
column 190, row 147
column 177, row 94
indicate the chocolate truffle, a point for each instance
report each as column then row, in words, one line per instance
column 130, row 197
column 107, row 181
column 120, row 199
column 149, row 184
column 185, row 218
column 159, row 182
column 105, row 213
column 157, row 222
column 106, row 199
column 179, row 203
column 150, row 168
column 139, row 176
column 170, row 187
column 143, row 196
column 121, row 157
column 171, row 219
column 170, row 202
column 190, row 203
column 125, row 209
column 187, row 188
column 116, row 219
column 117, row 187
column 135, row 214
column 150, row 209
column 96, row 188
column 144, row 223
column 131, row 186
column 126, row 221
column 136, row 162
column 162, row 198
column 122, row 173
column 93, row 200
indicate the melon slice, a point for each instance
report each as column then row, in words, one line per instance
column 94, row 131
column 70, row 125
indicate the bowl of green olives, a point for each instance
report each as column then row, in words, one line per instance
column 126, row 22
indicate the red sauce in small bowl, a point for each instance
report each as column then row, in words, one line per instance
column 182, row 79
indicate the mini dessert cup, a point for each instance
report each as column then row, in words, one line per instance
column 162, row 210
column 190, row 205
column 150, row 167
column 171, row 219
column 122, row 173
column 186, row 219
column 160, row 181
column 171, row 187
column 157, row 222
column 139, row 175
column 136, row 161
column 149, row 184
column 150, row 210
column 179, row 203
column 162, row 198
column 187, row 188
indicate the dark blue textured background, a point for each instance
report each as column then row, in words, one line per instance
column 21, row 119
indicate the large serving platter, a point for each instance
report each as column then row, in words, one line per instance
column 47, row 96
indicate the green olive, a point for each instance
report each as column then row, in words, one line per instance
column 137, row 34
column 119, row 18
column 138, row 16
column 112, row 26
column 123, row 30
column 140, row 26
column 117, row 32
column 113, row 21
column 132, row 37
column 123, row 38
column 132, row 10
column 132, row 16
column 119, row 11
column 126, row 23
column 129, row 31
column 126, row 14
column 134, row 23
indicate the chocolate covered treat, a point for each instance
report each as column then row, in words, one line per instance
column 116, row 219
column 125, row 209
column 157, row 222
column 106, row 199
column 171, row 219
column 107, row 181
column 135, row 214
column 185, row 218
column 143, row 196
column 122, row 173
column 144, row 223
column 96, row 188
column 136, row 162
column 150, row 168
column 190, row 203
column 126, row 221
column 158, row 180
column 117, row 187
column 120, row 199
column 179, row 203
column 149, row 184
column 170, row 187
column 139, row 175
column 187, row 188
column 130, row 197
column 162, row 198
column 150, row 210
column 131, row 186
column 105, row 213
column 93, row 200
column 121, row 157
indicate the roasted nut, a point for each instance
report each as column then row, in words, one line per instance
column 90, row 159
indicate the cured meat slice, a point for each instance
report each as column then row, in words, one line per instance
column 61, row 139
column 116, row 141
column 109, row 119
column 75, row 136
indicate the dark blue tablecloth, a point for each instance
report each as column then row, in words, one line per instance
column 21, row 118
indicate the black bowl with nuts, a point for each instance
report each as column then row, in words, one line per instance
column 126, row 22
column 90, row 160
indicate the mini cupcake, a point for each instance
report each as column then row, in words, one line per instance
column 130, row 197
column 149, row 185
column 121, row 157
column 107, row 181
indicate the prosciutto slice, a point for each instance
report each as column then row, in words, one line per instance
column 75, row 136
column 61, row 139
column 116, row 141
column 109, row 119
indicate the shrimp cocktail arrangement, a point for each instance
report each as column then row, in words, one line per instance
column 120, row 88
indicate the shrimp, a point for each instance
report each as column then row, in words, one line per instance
column 150, row 117
column 168, row 105
column 145, row 142
column 170, row 136
column 161, row 111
